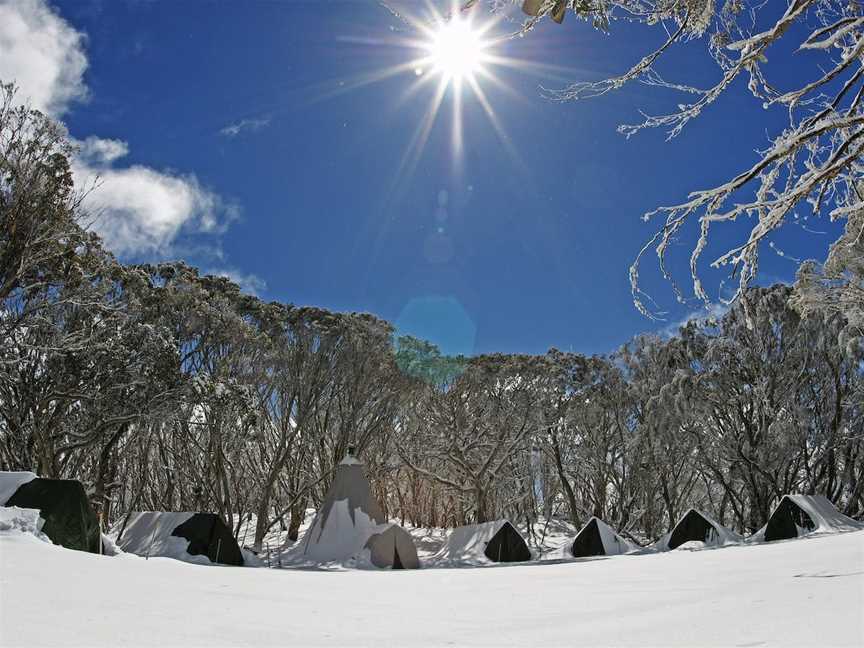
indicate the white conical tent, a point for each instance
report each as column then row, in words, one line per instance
column 348, row 519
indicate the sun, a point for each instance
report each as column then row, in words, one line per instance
column 456, row 50
column 457, row 55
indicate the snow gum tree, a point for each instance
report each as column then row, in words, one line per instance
column 162, row 388
column 811, row 165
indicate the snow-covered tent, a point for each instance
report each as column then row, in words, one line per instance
column 200, row 538
column 11, row 482
column 351, row 521
column 697, row 526
column 497, row 541
column 69, row 520
column 392, row 547
column 597, row 538
column 797, row 515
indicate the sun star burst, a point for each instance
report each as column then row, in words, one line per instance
column 456, row 50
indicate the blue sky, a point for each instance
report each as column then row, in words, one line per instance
column 299, row 190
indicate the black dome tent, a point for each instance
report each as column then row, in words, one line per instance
column 69, row 519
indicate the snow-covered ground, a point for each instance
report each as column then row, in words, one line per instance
column 804, row 592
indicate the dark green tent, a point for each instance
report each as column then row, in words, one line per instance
column 69, row 519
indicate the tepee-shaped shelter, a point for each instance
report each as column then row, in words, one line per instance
column 496, row 541
column 699, row 527
column 351, row 521
column 191, row 537
column 597, row 538
column 798, row 515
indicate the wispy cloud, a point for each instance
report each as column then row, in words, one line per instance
column 251, row 125
column 249, row 283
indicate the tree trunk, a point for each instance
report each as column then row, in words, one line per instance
column 565, row 483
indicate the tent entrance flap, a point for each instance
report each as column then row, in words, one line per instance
column 692, row 527
column 507, row 546
column 208, row 536
column 786, row 520
column 588, row 542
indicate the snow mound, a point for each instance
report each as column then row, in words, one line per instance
column 22, row 520
column 11, row 482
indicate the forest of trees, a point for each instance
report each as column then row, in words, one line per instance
column 164, row 389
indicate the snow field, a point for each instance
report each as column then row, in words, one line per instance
column 804, row 592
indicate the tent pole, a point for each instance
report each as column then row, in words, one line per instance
column 150, row 545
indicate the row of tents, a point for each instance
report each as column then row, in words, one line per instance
column 351, row 526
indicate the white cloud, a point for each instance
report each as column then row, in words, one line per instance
column 233, row 130
column 99, row 151
column 43, row 54
column 249, row 283
column 138, row 210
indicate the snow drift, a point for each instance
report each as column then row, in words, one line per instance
column 21, row 520
column 806, row 593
